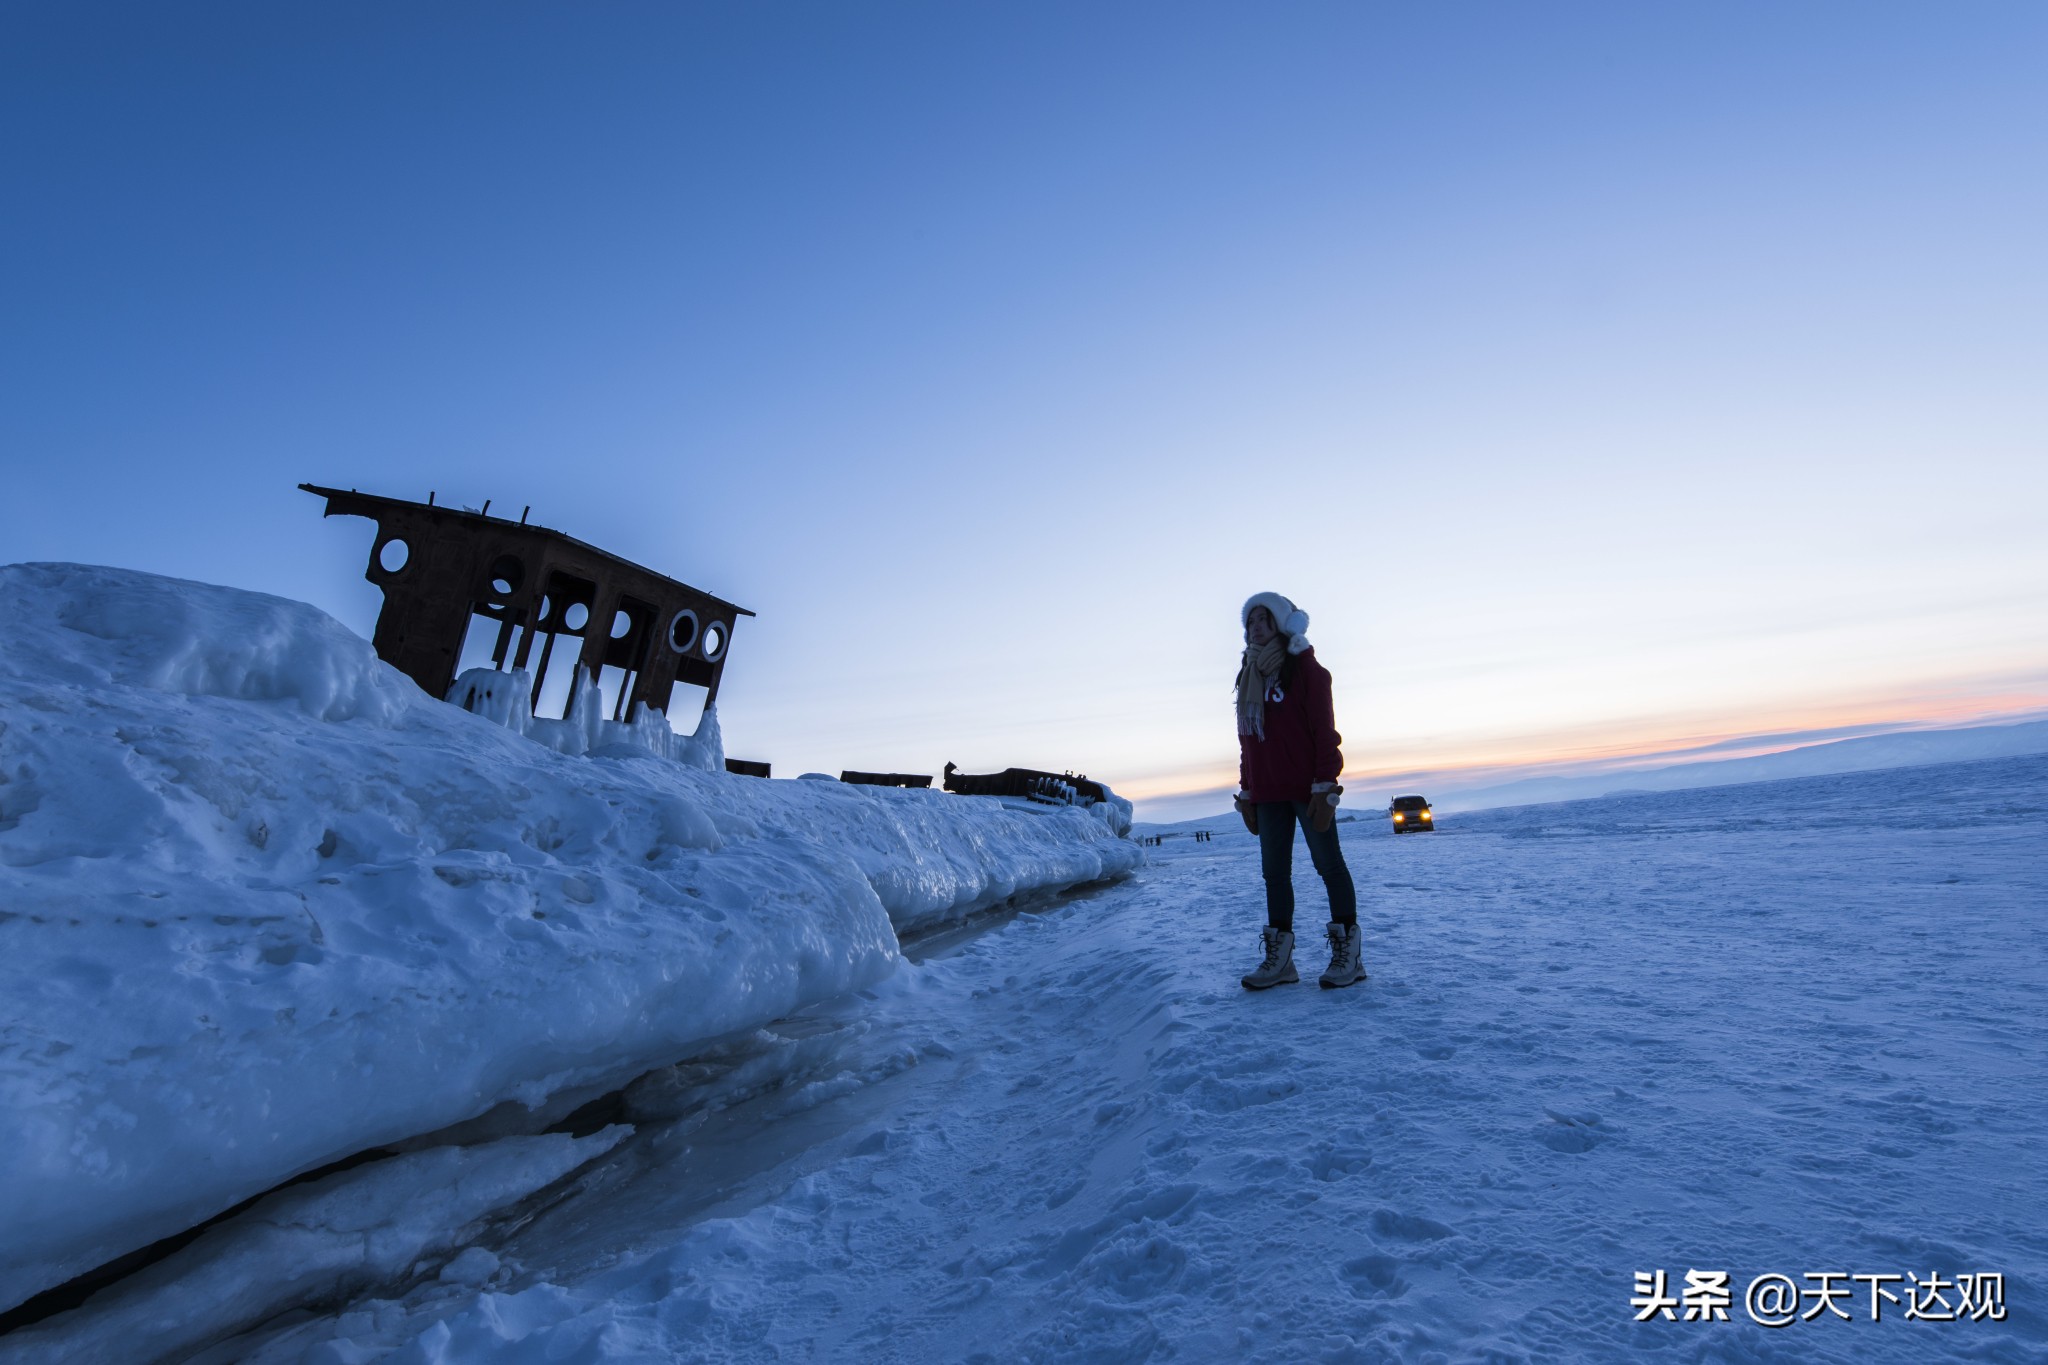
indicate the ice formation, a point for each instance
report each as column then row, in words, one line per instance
column 263, row 904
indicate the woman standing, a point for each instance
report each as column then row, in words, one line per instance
column 1288, row 761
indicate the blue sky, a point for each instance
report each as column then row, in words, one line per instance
column 1604, row 379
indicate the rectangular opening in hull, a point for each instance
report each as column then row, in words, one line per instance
column 686, row 707
column 558, row 678
column 614, row 684
column 479, row 643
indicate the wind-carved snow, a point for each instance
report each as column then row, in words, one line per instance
column 263, row 905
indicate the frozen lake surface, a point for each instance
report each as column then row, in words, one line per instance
column 1791, row 1028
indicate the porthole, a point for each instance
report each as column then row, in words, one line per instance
column 507, row 573
column 622, row 625
column 714, row 639
column 393, row 555
column 576, row 617
column 682, row 631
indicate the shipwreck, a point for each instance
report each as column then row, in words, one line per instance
column 457, row 581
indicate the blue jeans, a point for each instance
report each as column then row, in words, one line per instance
column 1276, row 859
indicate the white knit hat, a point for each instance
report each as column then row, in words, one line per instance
column 1292, row 620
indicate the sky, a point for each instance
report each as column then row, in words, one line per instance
column 1605, row 380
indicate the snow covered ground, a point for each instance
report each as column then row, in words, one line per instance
column 264, row 906
column 1792, row 1028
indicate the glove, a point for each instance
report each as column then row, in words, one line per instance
column 1247, row 811
column 1322, row 805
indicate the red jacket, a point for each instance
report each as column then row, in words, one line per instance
column 1300, row 747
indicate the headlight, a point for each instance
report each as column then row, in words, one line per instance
column 1425, row 815
column 1397, row 817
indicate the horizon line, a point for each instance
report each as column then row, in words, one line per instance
column 1601, row 760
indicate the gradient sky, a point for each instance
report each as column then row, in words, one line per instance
column 1603, row 379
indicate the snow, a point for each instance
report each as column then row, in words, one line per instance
column 312, row 1242
column 1795, row 1027
column 264, row 905
column 504, row 697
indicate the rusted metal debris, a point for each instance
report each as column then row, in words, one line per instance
column 1026, row 782
column 886, row 779
column 746, row 767
column 441, row 566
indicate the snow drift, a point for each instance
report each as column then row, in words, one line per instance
column 263, row 904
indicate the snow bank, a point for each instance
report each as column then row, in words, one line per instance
column 263, row 904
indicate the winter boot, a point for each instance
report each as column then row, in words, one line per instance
column 1344, row 969
column 1278, row 968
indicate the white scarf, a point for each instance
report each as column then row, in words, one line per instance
column 1255, row 674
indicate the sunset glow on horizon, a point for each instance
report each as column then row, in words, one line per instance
column 1570, row 753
